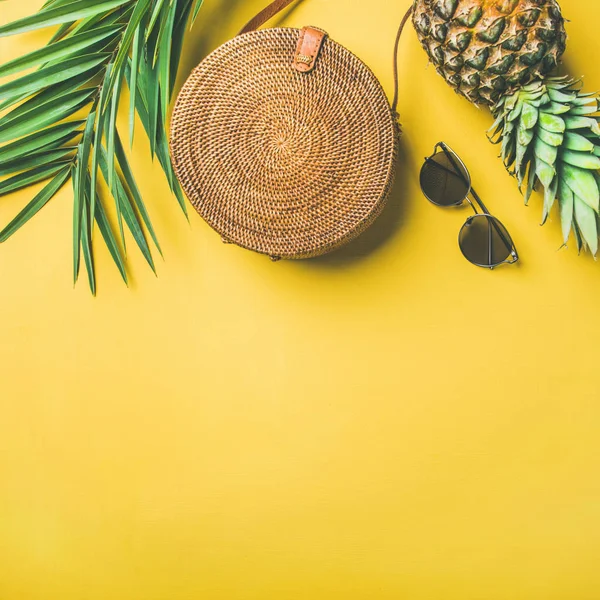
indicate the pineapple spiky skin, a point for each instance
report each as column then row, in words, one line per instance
column 488, row 48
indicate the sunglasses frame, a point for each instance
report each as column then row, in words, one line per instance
column 456, row 162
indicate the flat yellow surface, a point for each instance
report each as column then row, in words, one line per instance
column 388, row 422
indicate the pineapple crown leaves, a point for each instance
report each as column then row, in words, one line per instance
column 549, row 132
column 98, row 46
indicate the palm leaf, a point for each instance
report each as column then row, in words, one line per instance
column 35, row 159
column 129, row 215
column 33, row 82
column 197, row 7
column 134, row 192
column 109, row 238
column 139, row 11
column 35, row 175
column 43, row 115
column 97, row 47
column 59, row 50
column 40, row 200
column 78, row 175
column 164, row 58
column 79, row 190
column 184, row 8
column 41, row 141
column 86, row 242
column 136, row 53
column 162, row 150
column 59, row 13
column 154, row 17
column 53, row 92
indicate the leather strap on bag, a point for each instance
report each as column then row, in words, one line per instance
column 314, row 39
column 309, row 45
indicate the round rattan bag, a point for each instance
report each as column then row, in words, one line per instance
column 284, row 142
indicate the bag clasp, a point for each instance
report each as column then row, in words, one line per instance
column 308, row 49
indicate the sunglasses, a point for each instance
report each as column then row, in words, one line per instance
column 483, row 240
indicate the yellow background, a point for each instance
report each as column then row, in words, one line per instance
column 388, row 422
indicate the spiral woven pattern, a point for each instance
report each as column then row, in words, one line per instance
column 284, row 163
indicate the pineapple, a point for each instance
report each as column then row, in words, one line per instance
column 501, row 53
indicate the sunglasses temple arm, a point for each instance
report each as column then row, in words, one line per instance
column 499, row 231
column 490, row 242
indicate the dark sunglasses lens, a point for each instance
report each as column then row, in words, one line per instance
column 484, row 241
column 444, row 180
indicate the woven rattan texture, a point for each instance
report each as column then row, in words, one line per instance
column 284, row 163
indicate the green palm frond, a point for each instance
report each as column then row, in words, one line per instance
column 58, row 114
